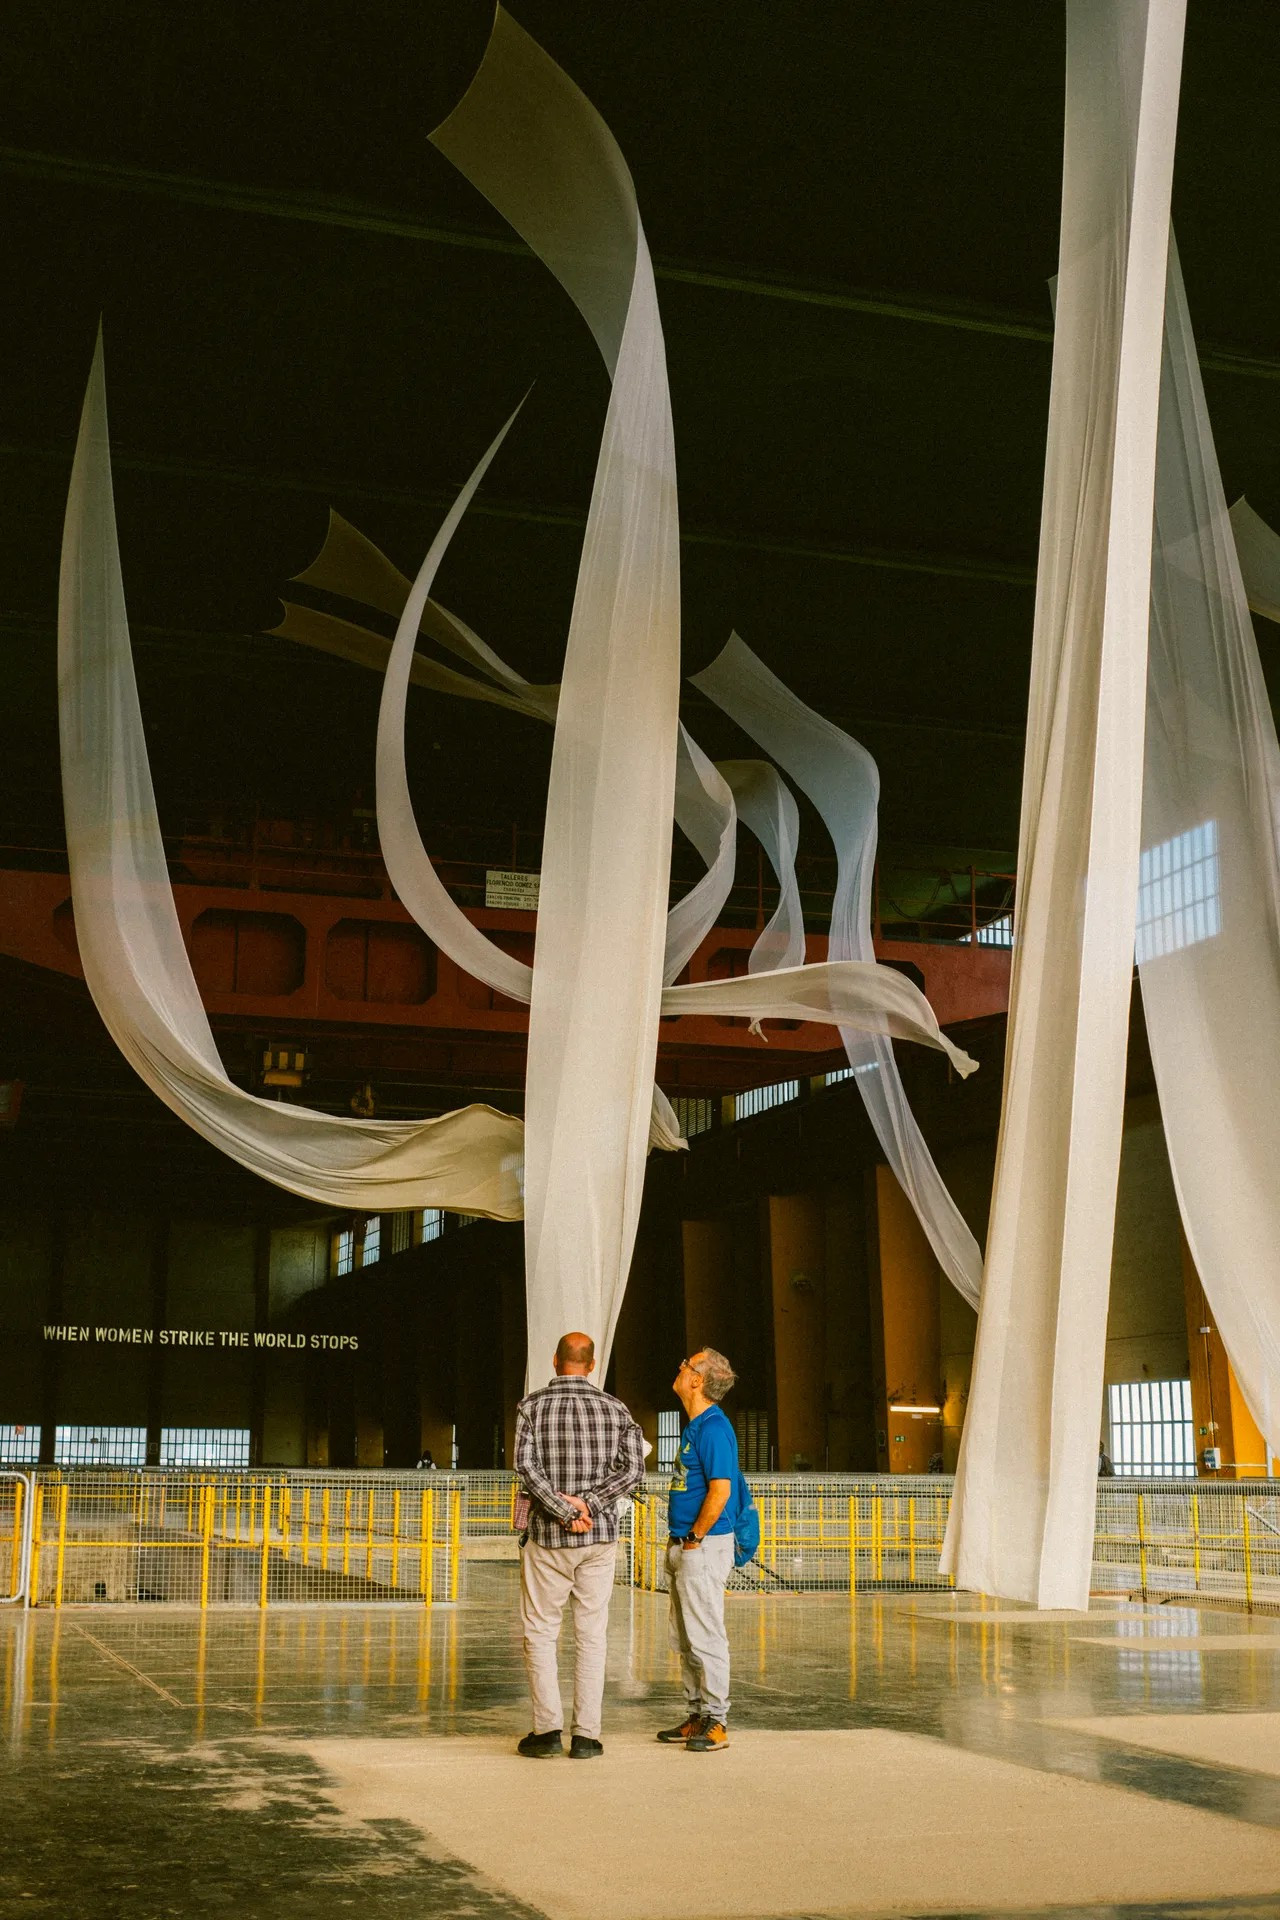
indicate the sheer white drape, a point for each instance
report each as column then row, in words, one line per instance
column 525, row 136
column 1209, row 894
column 131, row 946
column 843, row 781
column 1022, row 1516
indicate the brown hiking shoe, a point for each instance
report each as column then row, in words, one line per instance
column 672, row 1735
column 711, row 1737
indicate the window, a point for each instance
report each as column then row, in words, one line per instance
column 760, row 1099
column 100, row 1446
column 468, row 1219
column 1151, row 1429
column 668, row 1440
column 752, row 1428
column 371, row 1245
column 19, row 1446
column 996, row 933
column 204, row 1446
column 695, row 1116
column 401, row 1231
column 344, row 1250
column 847, row 1073
column 1179, row 896
column 432, row 1223
column 453, row 1448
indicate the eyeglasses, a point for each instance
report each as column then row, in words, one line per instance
column 692, row 1369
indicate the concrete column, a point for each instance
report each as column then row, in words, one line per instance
column 437, row 1359
column 1220, row 1415
column 851, row 1415
column 909, row 1362
column 707, row 1246
column 515, row 1344
column 797, row 1260
column 636, row 1344
column 478, row 1381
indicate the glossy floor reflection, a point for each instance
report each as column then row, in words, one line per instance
column 154, row 1761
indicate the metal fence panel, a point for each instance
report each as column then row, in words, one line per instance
column 207, row 1538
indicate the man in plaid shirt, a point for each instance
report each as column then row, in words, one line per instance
column 578, row 1452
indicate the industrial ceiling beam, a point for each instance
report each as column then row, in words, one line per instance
column 331, row 210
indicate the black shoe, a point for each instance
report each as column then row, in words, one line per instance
column 581, row 1748
column 542, row 1746
column 686, row 1731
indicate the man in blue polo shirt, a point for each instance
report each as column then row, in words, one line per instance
column 700, row 1519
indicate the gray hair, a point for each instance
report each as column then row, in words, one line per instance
column 717, row 1375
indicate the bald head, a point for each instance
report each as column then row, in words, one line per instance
column 576, row 1353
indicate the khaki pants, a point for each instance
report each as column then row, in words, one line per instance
column 550, row 1576
column 695, row 1583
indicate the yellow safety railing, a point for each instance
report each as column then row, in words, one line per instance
column 1207, row 1540
column 207, row 1538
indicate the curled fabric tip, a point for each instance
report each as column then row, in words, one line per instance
column 758, row 1031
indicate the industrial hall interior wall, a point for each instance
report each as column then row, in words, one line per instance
column 778, row 1239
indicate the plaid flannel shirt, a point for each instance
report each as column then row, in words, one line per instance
column 572, row 1438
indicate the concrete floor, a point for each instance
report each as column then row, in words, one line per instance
column 899, row 1755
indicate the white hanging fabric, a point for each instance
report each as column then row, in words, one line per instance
column 1258, row 553
column 876, row 999
column 843, row 781
column 131, row 946
column 1209, row 893
column 767, row 806
column 529, row 140
column 1022, row 1515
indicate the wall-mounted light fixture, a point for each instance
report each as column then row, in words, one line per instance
column 283, row 1066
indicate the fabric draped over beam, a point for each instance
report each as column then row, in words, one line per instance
column 131, row 947
column 1022, row 1517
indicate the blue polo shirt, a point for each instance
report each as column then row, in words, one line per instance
column 708, row 1451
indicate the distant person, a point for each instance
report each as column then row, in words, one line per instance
column 578, row 1453
column 700, row 1519
column 1106, row 1465
column 936, row 1463
column 425, row 1460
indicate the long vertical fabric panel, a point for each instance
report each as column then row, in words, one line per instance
column 1022, row 1517
column 1209, row 892
column 528, row 139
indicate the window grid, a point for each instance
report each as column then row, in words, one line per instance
column 849, row 1073
column 19, row 1446
column 100, row 1446
column 1179, row 896
column 432, row 1223
column 204, row 1446
column 761, row 1099
column 1152, row 1435
column 468, row 1219
column 996, row 933
column 695, row 1116
column 345, row 1250
column 668, row 1439
column 401, row 1232
column 371, row 1244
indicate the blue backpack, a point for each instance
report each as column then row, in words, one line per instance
column 746, row 1525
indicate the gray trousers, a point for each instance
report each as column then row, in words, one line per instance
column 695, row 1583
column 550, row 1577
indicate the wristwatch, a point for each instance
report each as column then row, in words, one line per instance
column 691, row 1538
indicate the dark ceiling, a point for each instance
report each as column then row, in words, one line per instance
column 853, row 207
